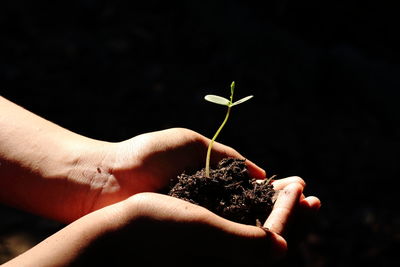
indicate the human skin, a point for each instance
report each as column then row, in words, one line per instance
column 154, row 229
column 108, row 191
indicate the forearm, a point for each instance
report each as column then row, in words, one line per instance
column 39, row 162
column 67, row 246
column 131, row 231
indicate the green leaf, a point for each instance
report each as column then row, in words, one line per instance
column 217, row 100
column 244, row 99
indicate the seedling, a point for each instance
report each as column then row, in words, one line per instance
column 225, row 102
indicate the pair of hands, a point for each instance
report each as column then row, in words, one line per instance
column 110, row 195
column 163, row 227
column 118, row 216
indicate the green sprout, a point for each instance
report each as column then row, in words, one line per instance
column 225, row 102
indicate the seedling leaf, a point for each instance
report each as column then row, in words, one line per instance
column 229, row 103
column 218, row 100
column 244, row 99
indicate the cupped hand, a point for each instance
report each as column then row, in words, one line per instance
column 147, row 163
column 155, row 229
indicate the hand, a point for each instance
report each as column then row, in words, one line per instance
column 158, row 229
column 147, row 163
column 288, row 210
column 151, row 228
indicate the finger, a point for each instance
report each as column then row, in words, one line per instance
column 283, row 208
column 274, row 247
column 255, row 171
column 222, row 151
column 281, row 183
column 311, row 202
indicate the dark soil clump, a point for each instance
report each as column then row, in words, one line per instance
column 229, row 192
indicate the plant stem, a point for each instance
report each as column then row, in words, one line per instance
column 213, row 139
column 218, row 131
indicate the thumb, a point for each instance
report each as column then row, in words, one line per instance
column 221, row 151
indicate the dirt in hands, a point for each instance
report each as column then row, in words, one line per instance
column 229, row 192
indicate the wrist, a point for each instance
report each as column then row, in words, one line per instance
column 46, row 169
column 88, row 166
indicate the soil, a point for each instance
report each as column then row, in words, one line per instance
column 229, row 192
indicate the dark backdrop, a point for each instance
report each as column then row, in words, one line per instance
column 325, row 75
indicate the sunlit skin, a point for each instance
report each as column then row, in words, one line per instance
column 109, row 195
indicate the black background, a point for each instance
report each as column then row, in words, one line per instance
column 325, row 75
